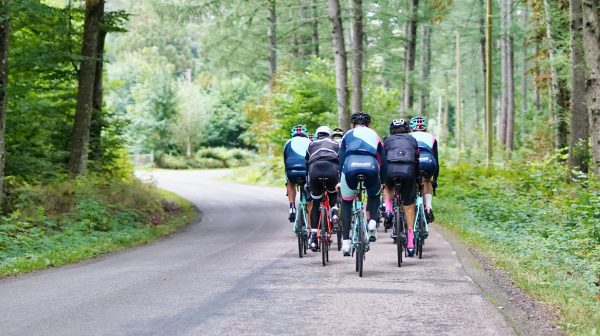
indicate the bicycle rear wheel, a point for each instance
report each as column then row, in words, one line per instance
column 324, row 237
column 420, row 234
column 398, row 229
column 360, row 251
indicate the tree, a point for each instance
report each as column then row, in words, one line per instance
column 591, row 42
column 580, row 125
column 357, row 58
column 409, row 55
column 4, row 39
column 87, row 74
column 341, row 66
column 425, row 69
column 273, row 42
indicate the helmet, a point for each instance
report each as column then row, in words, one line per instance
column 311, row 137
column 398, row 126
column 361, row 118
column 323, row 130
column 337, row 132
column 299, row 130
column 418, row 123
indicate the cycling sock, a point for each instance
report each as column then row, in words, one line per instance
column 428, row 200
column 293, row 206
column 411, row 236
column 388, row 205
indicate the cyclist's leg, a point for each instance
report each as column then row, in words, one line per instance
column 428, row 167
column 348, row 190
column 373, row 187
column 290, row 184
column 409, row 194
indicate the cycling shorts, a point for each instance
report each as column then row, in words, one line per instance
column 427, row 164
column 406, row 175
column 356, row 165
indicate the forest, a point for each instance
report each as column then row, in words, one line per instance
column 510, row 88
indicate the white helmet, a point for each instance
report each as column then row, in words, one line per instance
column 323, row 130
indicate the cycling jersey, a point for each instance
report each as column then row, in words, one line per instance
column 361, row 153
column 428, row 157
column 294, row 152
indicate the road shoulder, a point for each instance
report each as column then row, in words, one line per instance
column 524, row 314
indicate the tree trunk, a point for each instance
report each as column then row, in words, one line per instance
column 510, row 70
column 87, row 74
column 459, row 144
column 537, row 95
column 501, row 131
column 560, row 95
column 482, row 40
column 409, row 60
column 524, row 24
column 315, row 28
column 4, row 38
column 357, row 59
column 272, row 34
column 386, row 32
column 591, row 43
column 580, row 125
column 97, row 116
column 341, row 67
column 425, row 70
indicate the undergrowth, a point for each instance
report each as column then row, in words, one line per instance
column 533, row 223
column 69, row 220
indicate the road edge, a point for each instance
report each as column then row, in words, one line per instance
column 526, row 315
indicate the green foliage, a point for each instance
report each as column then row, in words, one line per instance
column 209, row 158
column 67, row 220
column 547, row 228
column 266, row 170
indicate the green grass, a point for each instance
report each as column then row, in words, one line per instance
column 544, row 232
column 92, row 225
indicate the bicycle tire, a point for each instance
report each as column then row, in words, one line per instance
column 421, row 228
column 339, row 240
column 323, row 242
column 300, row 235
column 361, row 254
column 398, row 226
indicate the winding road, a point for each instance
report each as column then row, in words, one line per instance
column 237, row 272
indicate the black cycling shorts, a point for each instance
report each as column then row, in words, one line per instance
column 406, row 175
column 318, row 170
column 295, row 176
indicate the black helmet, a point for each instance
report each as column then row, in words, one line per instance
column 399, row 126
column 361, row 118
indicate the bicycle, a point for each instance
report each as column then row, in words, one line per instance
column 325, row 228
column 421, row 225
column 360, row 239
column 399, row 228
column 300, row 224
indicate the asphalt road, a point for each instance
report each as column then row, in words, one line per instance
column 237, row 272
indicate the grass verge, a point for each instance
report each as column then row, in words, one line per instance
column 105, row 218
column 545, row 233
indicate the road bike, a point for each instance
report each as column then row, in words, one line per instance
column 360, row 234
column 399, row 228
column 325, row 228
column 301, row 222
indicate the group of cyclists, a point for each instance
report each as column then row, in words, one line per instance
column 408, row 155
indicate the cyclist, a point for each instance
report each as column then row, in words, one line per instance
column 323, row 162
column 294, row 152
column 361, row 152
column 402, row 154
column 428, row 161
column 337, row 134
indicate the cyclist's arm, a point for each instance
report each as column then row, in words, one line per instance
column 342, row 155
column 383, row 158
column 437, row 161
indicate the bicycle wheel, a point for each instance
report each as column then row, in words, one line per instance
column 419, row 235
column 339, row 240
column 360, row 250
column 323, row 241
column 299, row 234
column 398, row 229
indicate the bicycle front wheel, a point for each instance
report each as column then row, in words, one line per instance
column 360, row 251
